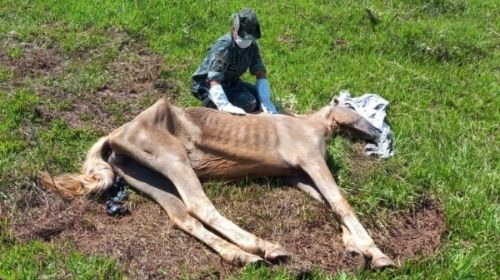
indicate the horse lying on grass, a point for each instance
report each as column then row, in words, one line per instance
column 165, row 150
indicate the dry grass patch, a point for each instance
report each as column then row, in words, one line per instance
column 88, row 90
column 148, row 246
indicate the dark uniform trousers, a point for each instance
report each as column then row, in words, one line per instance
column 239, row 93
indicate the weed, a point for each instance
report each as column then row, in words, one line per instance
column 5, row 74
column 40, row 260
column 15, row 52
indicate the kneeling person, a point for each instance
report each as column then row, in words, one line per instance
column 217, row 81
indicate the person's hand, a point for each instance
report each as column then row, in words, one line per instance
column 230, row 108
column 219, row 98
column 264, row 92
column 268, row 107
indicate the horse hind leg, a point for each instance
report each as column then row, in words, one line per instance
column 162, row 152
column 161, row 190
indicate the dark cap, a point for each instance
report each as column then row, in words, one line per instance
column 246, row 23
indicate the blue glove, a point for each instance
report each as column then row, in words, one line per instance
column 265, row 96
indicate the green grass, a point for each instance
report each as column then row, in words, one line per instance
column 37, row 260
column 436, row 61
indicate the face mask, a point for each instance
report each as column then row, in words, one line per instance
column 242, row 43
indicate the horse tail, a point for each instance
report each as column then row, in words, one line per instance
column 96, row 174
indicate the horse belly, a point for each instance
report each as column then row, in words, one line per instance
column 213, row 166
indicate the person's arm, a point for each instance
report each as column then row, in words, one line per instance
column 264, row 92
column 217, row 65
column 219, row 98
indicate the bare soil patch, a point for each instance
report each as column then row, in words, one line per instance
column 132, row 85
column 133, row 80
column 35, row 60
column 148, row 246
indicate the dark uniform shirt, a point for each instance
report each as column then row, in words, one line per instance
column 226, row 62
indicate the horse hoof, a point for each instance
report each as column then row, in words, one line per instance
column 277, row 255
column 249, row 259
column 382, row 263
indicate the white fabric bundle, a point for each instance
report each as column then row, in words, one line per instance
column 373, row 108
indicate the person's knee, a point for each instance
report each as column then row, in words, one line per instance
column 199, row 90
column 245, row 101
column 250, row 87
column 208, row 103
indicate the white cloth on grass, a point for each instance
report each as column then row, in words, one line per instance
column 373, row 108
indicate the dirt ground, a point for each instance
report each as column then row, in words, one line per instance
column 148, row 246
column 132, row 81
column 145, row 242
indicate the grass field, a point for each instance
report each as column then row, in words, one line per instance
column 436, row 61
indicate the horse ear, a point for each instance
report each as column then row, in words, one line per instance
column 334, row 102
column 354, row 124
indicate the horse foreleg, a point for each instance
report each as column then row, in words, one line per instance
column 355, row 236
column 305, row 184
